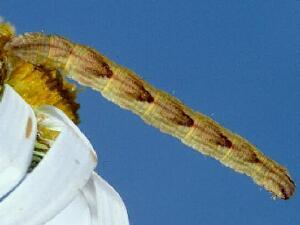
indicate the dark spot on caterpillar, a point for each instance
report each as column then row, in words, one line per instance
column 135, row 88
column 172, row 110
column 102, row 71
column 109, row 73
column 224, row 142
column 145, row 96
column 185, row 120
column 246, row 152
column 94, row 63
column 254, row 158
column 287, row 190
column 285, row 195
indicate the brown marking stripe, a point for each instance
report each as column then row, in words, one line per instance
column 95, row 57
column 145, row 96
column 186, row 120
column 135, row 88
column 174, row 112
column 97, row 72
column 225, row 142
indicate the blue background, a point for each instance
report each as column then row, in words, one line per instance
column 236, row 61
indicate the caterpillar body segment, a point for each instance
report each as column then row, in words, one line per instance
column 155, row 107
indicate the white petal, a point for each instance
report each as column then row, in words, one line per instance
column 76, row 213
column 17, row 138
column 106, row 204
column 97, row 204
column 55, row 182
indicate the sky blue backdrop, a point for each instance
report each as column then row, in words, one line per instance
column 237, row 61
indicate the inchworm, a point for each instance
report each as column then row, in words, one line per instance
column 155, row 107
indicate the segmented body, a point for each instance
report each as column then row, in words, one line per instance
column 155, row 107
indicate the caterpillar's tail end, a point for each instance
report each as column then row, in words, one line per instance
column 288, row 191
column 284, row 189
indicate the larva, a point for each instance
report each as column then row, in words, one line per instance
column 155, row 107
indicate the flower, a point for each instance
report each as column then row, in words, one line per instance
column 62, row 188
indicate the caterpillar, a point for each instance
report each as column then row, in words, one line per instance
column 157, row 108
